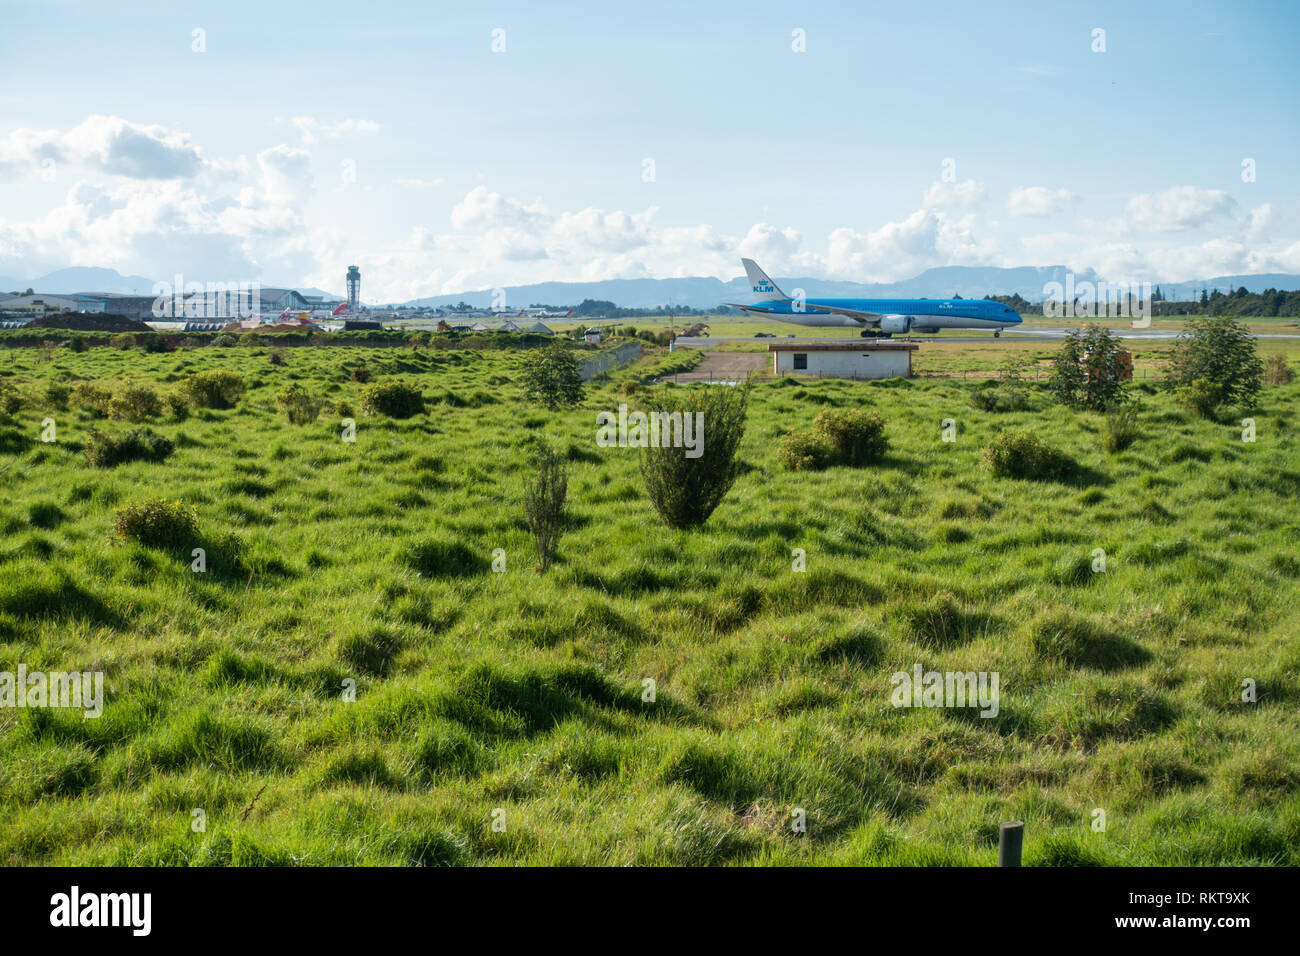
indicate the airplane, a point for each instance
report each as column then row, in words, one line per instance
column 884, row 317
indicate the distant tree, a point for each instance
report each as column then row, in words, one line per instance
column 552, row 377
column 544, row 503
column 1204, row 298
column 1087, row 373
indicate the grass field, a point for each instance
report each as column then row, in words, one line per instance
column 500, row 716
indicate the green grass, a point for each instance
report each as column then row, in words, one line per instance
column 478, row 691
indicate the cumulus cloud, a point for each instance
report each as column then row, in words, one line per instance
column 1258, row 221
column 1178, row 208
column 943, row 195
column 899, row 250
column 108, row 144
column 1036, row 201
column 482, row 209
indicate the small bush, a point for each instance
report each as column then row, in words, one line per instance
column 10, row 399
column 551, row 378
column 57, row 394
column 124, row 340
column 300, row 407
column 394, row 399
column 804, row 451
column 225, row 340
column 77, row 344
column 177, row 406
column 1121, row 429
column 856, row 438
column 1022, row 454
column 214, row 389
column 1202, row 397
column 91, row 398
column 135, row 403
column 106, row 451
column 544, row 503
column 276, row 357
column 1218, row 350
column 158, row 524
column 1277, row 371
column 686, row 490
column 359, row 373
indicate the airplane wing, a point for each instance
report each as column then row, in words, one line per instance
column 867, row 318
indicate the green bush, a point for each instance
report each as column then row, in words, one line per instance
column 123, row 340
column 1088, row 371
column 77, row 344
column 225, row 340
column 135, row 403
column 1121, row 428
column 1022, row 454
column 57, row 394
column 299, row 406
column 551, row 377
column 359, row 373
column 178, row 405
column 91, row 398
column 394, row 399
column 686, row 490
column 158, row 524
column 1221, row 351
column 544, row 503
column 856, row 438
column 1202, row 397
column 10, row 399
column 106, row 451
column 804, row 451
column 214, row 389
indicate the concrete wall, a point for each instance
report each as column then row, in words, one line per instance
column 870, row 363
column 605, row 361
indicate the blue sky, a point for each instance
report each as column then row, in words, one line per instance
column 305, row 137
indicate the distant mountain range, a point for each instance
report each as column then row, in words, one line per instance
column 707, row 293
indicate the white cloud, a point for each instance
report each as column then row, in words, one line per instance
column 944, row 195
column 418, row 183
column 1178, row 208
column 108, row 144
column 899, row 250
column 1258, row 221
column 1036, row 201
column 482, row 209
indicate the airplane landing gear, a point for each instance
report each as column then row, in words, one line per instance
column 997, row 333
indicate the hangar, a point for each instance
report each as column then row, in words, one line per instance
column 850, row 359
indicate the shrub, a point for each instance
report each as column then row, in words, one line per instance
column 158, row 523
column 153, row 342
column 394, row 399
column 855, row 437
column 177, row 406
column 300, row 407
column 77, row 344
column 225, row 340
column 359, row 373
column 551, row 377
column 135, row 403
column 804, row 451
column 276, row 357
column 123, row 340
column 106, row 451
column 10, row 399
column 1121, row 428
column 686, row 490
column 57, row 393
column 1088, row 371
column 1202, row 397
column 544, row 503
column 1022, row 454
column 1222, row 351
column 91, row 398
column 214, row 389
column 1277, row 371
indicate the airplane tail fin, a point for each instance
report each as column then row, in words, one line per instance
column 764, row 289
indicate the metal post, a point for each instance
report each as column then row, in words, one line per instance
column 1011, row 838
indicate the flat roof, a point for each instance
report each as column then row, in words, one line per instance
column 846, row 347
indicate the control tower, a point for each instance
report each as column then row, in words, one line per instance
column 354, row 290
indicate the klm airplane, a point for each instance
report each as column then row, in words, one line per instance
column 883, row 317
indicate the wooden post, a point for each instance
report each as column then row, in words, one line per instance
column 1011, row 838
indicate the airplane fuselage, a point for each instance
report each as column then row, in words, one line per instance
column 923, row 314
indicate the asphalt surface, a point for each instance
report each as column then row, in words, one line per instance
column 1008, row 335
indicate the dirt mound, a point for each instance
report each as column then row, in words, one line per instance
column 88, row 322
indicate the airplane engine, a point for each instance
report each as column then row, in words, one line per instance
column 892, row 324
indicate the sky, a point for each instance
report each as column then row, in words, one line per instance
column 489, row 145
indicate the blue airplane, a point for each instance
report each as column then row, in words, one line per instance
column 882, row 317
